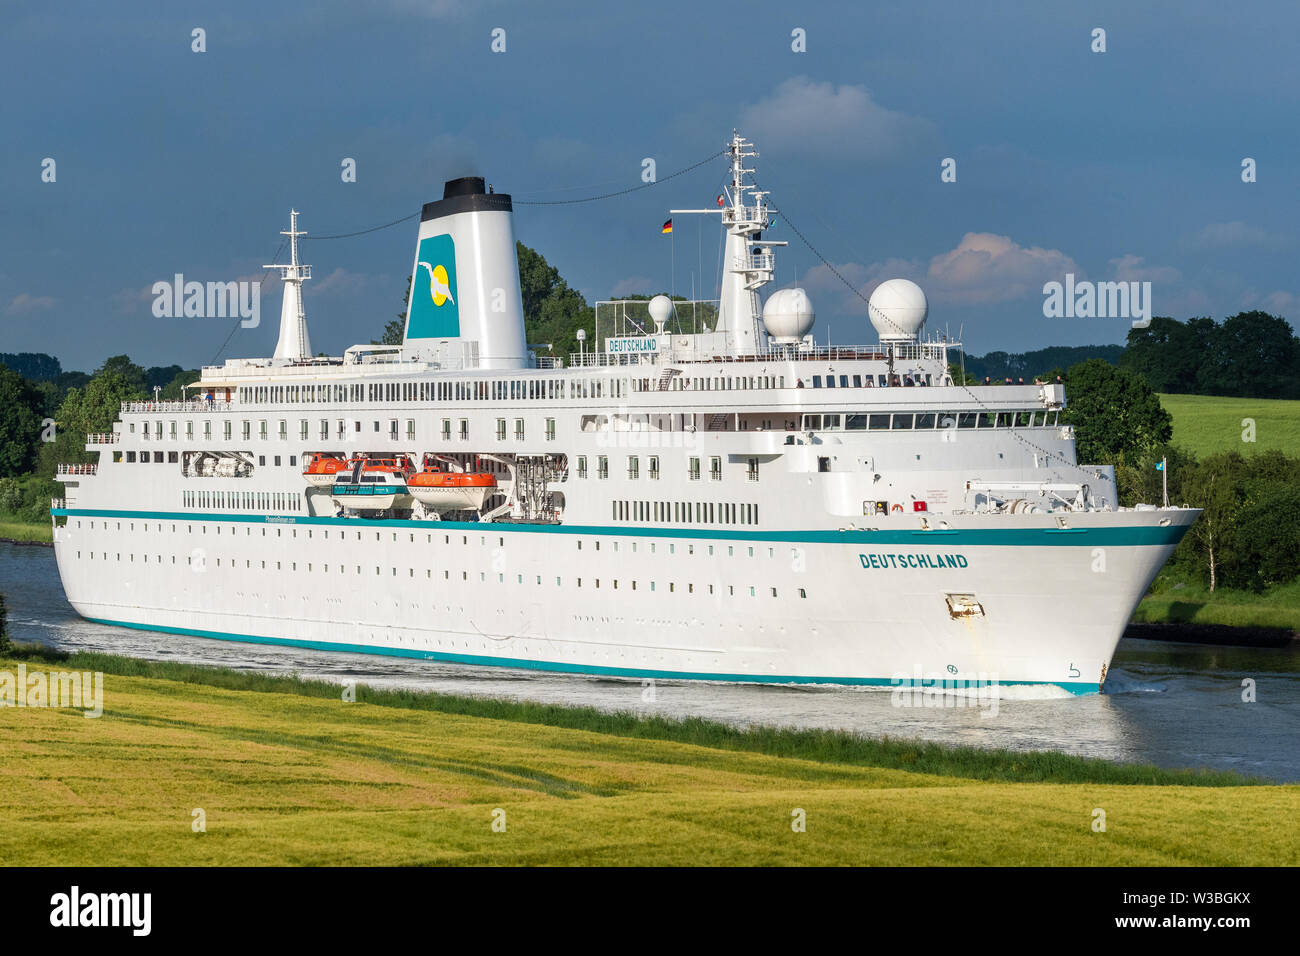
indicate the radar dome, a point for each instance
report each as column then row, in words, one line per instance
column 898, row 309
column 661, row 309
column 788, row 316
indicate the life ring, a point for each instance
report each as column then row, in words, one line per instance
column 896, row 507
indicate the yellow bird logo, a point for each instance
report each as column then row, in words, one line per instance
column 439, row 290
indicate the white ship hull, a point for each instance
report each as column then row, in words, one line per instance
column 648, row 605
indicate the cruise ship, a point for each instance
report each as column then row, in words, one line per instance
column 705, row 492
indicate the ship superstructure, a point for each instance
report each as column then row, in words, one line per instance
column 728, row 502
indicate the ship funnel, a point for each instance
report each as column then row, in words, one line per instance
column 465, row 306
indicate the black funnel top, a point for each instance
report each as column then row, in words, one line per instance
column 466, row 194
column 465, row 186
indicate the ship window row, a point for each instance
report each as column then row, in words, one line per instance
column 686, row 512
column 513, row 389
column 880, row 380
column 713, row 383
column 200, row 561
column 243, row 500
column 550, row 388
column 653, row 469
column 496, row 542
column 885, row 421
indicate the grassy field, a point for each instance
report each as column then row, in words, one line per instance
column 1205, row 424
column 15, row 531
column 1279, row 607
column 287, row 772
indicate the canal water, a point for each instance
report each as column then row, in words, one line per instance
column 1174, row 705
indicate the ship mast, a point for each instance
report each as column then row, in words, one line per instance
column 749, row 261
column 293, row 344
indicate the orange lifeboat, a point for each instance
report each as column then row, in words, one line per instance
column 321, row 470
column 399, row 465
column 441, row 491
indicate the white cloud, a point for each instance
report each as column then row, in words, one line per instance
column 338, row 282
column 990, row 268
column 804, row 117
column 633, row 285
column 23, row 304
column 1131, row 268
column 1219, row 235
column 983, row 268
column 1280, row 302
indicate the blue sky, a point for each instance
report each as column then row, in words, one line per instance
column 1124, row 164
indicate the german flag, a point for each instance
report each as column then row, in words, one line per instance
column 668, row 227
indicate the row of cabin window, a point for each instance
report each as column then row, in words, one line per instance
column 688, row 548
column 549, row 388
column 881, row 421
column 304, row 429
column 243, row 500
column 531, row 389
column 868, row 381
column 692, row 467
column 173, row 457
column 717, row 383
column 201, row 560
column 686, row 512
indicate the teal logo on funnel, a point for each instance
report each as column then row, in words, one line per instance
column 434, row 310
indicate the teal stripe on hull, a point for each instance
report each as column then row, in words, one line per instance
column 591, row 669
column 1130, row 536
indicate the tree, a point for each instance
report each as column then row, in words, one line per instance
column 22, row 408
column 175, row 388
column 395, row 331
column 34, row 366
column 552, row 311
column 1115, row 414
column 162, row 376
column 6, row 645
column 1268, row 532
column 1140, row 482
column 1254, row 355
column 1168, row 353
column 92, row 409
column 122, row 365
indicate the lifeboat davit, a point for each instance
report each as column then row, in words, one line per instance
column 372, row 484
column 321, row 471
column 441, row 491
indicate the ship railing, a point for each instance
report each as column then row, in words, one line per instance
column 65, row 468
column 764, row 262
column 606, row 359
column 901, row 352
column 173, row 406
column 58, row 503
column 103, row 438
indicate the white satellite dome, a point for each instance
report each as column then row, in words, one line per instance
column 788, row 316
column 661, row 310
column 898, row 309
